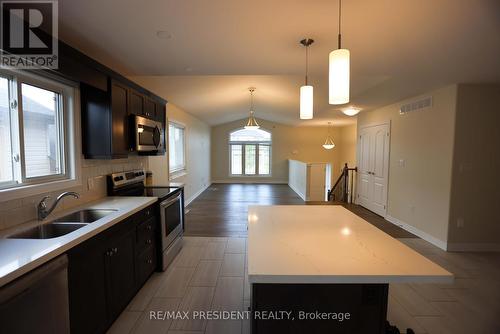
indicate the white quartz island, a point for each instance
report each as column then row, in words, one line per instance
column 325, row 258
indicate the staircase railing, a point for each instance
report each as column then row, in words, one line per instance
column 342, row 189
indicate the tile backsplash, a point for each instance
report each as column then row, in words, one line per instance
column 93, row 187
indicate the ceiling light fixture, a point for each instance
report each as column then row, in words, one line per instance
column 339, row 70
column 329, row 144
column 306, row 91
column 252, row 122
column 351, row 111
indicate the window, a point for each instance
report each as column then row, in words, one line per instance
column 250, row 152
column 33, row 139
column 176, row 146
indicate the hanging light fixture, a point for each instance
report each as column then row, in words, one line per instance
column 306, row 91
column 252, row 122
column 339, row 70
column 329, row 144
column 351, row 111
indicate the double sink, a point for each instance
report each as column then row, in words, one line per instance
column 63, row 225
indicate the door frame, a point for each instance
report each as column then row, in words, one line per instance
column 358, row 143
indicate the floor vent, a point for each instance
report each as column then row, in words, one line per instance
column 416, row 105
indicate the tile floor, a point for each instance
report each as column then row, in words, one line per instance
column 210, row 274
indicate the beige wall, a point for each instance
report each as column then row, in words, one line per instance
column 475, row 195
column 347, row 145
column 197, row 176
column 18, row 211
column 419, row 191
column 299, row 143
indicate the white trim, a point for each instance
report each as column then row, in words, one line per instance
column 427, row 237
column 254, row 180
column 473, row 247
column 301, row 195
column 179, row 125
column 73, row 153
column 198, row 193
column 178, row 173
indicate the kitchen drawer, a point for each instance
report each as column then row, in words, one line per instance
column 145, row 214
column 145, row 234
column 146, row 264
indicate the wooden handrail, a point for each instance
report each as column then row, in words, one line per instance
column 344, row 175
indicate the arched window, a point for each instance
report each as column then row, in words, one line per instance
column 250, row 152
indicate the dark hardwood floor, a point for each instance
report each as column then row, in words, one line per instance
column 221, row 210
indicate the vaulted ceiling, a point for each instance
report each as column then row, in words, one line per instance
column 203, row 55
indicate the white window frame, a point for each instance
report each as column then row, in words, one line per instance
column 175, row 173
column 70, row 126
column 243, row 155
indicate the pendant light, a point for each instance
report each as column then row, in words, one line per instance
column 339, row 70
column 329, row 144
column 306, row 91
column 252, row 122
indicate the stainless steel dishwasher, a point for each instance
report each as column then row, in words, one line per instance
column 37, row 302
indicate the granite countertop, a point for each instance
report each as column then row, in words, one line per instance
column 329, row 244
column 19, row 256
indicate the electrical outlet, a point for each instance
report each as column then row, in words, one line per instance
column 402, row 163
column 90, row 183
column 460, row 222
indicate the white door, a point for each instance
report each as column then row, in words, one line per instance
column 373, row 168
column 317, row 182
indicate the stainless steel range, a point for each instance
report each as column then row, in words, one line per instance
column 170, row 209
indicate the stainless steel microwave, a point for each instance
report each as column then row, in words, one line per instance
column 149, row 135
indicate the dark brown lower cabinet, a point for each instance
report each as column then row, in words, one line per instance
column 106, row 271
column 120, row 273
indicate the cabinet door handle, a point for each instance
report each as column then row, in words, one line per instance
column 149, row 227
column 149, row 241
column 109, row 253
column 150, row 261
column 115, row 250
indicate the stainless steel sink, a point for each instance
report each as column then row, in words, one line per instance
column 48, row 231
column 63, row 225
column 85, row 216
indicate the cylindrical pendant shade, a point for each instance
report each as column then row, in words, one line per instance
column 339, row 76
column 306, row 102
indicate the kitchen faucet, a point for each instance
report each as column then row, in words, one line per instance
column 43, row 212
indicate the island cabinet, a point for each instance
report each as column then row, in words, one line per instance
column 106, row 271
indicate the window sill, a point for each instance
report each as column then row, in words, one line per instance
column 177, row 174
column 37, row 189
column 246, row 176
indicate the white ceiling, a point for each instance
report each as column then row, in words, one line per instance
column 218, row 48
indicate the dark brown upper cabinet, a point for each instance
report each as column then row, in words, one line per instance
column 136, row 103
column 105, row 121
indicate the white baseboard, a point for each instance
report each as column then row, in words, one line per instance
column 198, row 193
column 427, row 237
column 473, row 247
column 301, row 195
column 252, row 181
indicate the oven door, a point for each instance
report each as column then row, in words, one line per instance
column 148, row 134
column 171, row 219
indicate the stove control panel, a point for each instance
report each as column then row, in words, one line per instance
column 125, row 178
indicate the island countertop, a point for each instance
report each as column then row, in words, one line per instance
column 329, row 244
